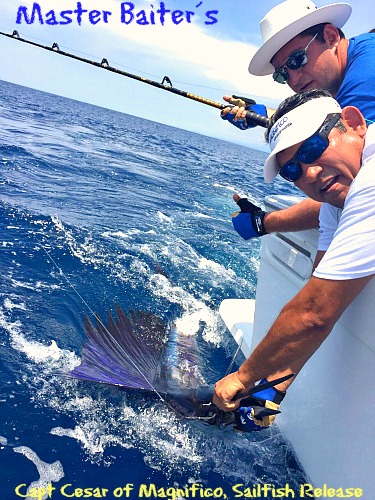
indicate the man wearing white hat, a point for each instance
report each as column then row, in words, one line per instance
column 304, row 47
column 329, row 153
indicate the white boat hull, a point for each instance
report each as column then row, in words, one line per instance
column 329, row 412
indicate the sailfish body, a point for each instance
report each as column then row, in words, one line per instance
column 137, row 351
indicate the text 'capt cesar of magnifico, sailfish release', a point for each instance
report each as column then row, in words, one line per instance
column 194, row 490
column 127, row 13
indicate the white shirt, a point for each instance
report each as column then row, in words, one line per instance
column 329, row 218
column 351, row 253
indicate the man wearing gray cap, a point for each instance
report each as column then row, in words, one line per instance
column 304, row 47
column 329, row 153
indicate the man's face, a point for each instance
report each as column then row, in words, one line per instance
column 328, row 179
column 321, row 71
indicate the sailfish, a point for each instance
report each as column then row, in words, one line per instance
column 138, row 351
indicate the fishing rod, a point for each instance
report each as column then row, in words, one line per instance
column 166, row 83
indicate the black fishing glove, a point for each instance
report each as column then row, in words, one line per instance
column 249, row 222
column 249, row 105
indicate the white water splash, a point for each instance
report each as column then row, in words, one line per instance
column 39, row 353
column 48, row 473
column 91, row 440
column 164, row 218
column 9, row 305
column 195, row 312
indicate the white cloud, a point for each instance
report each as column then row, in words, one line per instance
column 189, row 53
column 192, row 48
column 224, row 62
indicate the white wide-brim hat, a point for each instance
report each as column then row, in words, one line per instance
column 289, row 19
column 296, row 126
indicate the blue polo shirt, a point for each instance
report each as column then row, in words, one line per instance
column 358, row 86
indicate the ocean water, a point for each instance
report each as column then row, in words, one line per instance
column 101, row 208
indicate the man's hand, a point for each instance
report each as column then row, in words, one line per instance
column 238, row 116
column 252, row 413
column 226, row 390
column 249, row 223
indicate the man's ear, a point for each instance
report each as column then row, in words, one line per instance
column 354, row 119
column 331, row 35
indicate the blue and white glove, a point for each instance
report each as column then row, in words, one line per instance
column 249, row 105
column 258, row 411
column 249, row 222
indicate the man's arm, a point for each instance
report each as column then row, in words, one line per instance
column 319, row 255
column 303, row 215
column 301, row 327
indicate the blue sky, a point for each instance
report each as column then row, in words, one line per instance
column 209, row 60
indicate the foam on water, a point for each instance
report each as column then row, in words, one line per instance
column 152, row 232
column 11, row 327
column 48, row 473
column 164, row 218
column 167, row 443
column 102, row 424
column 229, row 187
column 136, row 259
column 40, row 353
column 9, row 305
column 35, row 351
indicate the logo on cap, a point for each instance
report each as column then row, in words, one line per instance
column 279, row 127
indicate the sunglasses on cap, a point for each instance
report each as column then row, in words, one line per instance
column 310, row 150
column 296, row 60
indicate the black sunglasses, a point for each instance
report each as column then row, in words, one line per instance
column 310, row 150
column 296, row 60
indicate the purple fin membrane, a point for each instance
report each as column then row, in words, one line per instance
column 125, row 352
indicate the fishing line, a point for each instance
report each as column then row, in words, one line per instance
column 158, row 76
column 104, row 327
column 216, row 416
column 166, row 83
column 229, row 369
column 98, row 319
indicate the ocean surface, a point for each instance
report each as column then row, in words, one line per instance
column 101, row 208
